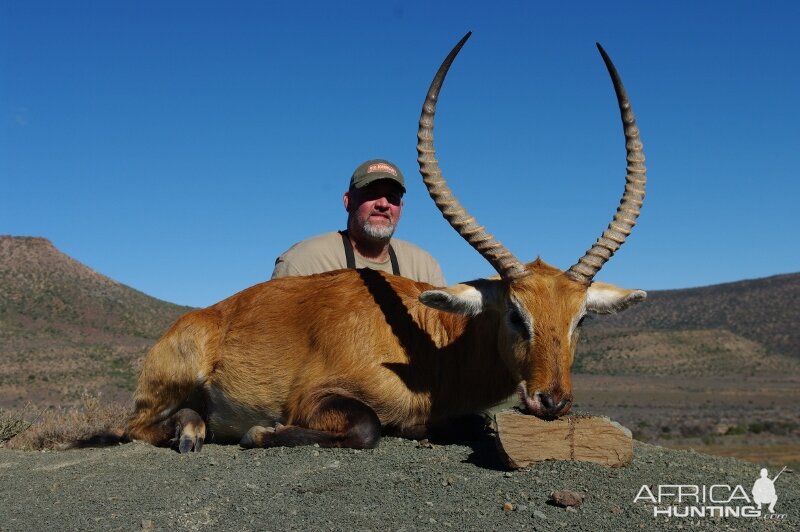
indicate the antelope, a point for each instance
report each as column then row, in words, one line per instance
column 340, row 358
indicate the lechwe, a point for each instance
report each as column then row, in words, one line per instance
column 337, row 358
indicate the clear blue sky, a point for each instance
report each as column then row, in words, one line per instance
column 179, row 147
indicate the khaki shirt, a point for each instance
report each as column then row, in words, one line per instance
column 325, row 253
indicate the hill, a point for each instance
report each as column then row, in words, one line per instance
column 65, row 328
column 742, row 327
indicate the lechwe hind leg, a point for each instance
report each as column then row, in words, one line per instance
column 331, row 417
column 168, row 394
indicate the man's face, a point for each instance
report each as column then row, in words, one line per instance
column 374, row 210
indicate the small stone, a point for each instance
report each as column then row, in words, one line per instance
column 520, row 508
column 315, row 453
column 539, row 515
column 565, row 498
column 507, row 507
column 615, row 510
column 424, row 444
column 147, row 524
column 572, row 509
column 508, row 474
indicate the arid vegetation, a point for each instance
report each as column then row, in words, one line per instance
column 752, row 417
column 66, row 330
column 52, row 428
column 763, row 311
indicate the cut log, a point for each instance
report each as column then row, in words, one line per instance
column 524, row 439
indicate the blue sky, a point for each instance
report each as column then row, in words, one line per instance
column 179, row 147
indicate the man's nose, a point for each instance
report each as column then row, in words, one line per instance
column 382, row 202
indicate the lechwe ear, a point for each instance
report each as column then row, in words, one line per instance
column 604, row 298
column 469, row 299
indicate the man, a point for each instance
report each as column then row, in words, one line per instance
column 374, row 202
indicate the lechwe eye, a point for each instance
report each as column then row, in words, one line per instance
column 519, row 323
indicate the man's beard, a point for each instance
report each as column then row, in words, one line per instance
column 377, row 233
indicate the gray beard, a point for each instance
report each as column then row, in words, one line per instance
column 380, row 233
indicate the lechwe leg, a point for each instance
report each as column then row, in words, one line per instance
column 168, row 396
column 330, row 418
column 185, row 430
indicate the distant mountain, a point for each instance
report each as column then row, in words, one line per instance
column 742, row 327
column 65, row 328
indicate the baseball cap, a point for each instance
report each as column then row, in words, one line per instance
column 375, row 169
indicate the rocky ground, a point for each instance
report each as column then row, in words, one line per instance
column 401, row 485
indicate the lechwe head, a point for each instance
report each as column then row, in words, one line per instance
column 542, row 306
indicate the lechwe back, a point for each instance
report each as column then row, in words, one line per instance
column 337, row 358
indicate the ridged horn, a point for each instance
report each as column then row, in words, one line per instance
column 633, row 196
column 465, row 225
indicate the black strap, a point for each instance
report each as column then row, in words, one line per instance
column 393, row 258
column 350, row 255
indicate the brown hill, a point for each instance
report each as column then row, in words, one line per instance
column 65, row 328
column 742, row 327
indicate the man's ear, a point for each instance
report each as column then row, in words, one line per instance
column 604, row 298
column 468, row 299
column 346, row 201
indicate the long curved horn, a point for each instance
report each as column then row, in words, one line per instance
column 488, row 246
column 633, row 197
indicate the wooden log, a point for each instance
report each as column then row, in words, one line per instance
column 524, row 439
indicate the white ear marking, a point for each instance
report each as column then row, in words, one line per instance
column 459, row 299
column 469, row 299
column 604, row 298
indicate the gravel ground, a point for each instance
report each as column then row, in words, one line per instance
column 401, row 485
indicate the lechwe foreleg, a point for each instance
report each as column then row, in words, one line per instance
column 331, row 417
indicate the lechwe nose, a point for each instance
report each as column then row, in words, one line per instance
column 553, row 405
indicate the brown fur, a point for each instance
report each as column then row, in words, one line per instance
column 262, row 355
column 278, row 351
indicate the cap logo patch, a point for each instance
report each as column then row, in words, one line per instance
column 381, row 167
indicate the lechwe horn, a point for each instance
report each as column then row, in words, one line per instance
column 484, row 243
column 633, row 197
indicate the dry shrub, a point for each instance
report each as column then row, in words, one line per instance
column 56, row 427
column 13, row 423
